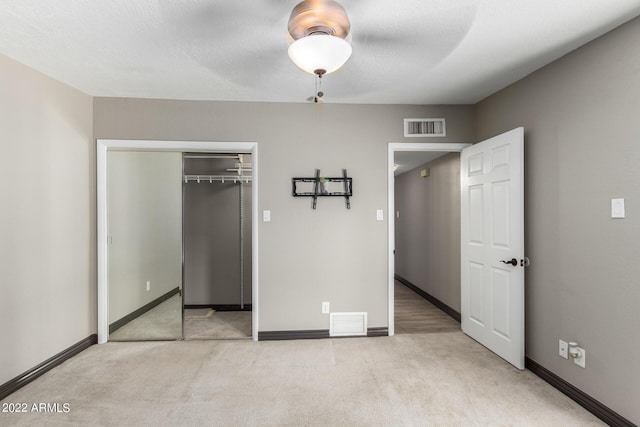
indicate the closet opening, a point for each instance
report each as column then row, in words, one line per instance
column 217, row 245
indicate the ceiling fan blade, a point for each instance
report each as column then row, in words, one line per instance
column 222, row 21
column 384, row 30
column 241, row 42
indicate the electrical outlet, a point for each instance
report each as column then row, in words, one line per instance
column 563, row 349
column 581, row 359
column 148, row 285
column 325, row 307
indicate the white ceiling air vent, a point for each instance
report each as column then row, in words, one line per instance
column 424, row 127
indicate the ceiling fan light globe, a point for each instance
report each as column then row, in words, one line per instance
column 320, row 52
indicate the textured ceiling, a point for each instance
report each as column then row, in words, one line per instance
column 404, row 52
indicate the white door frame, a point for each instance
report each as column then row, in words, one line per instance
column 393, row 147
column 105, row 145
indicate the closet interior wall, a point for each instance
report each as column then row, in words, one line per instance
column 212, row 274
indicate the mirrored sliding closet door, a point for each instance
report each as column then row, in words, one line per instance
column 144, row 211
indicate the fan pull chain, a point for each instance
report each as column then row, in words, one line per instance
column 319, row 93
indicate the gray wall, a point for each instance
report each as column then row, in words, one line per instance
column 306, row 256
column 47, row 219
column 428, row 228
column 581, row 118
column 212, row 235
column 145, row 228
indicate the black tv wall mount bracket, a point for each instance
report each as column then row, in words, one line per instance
column 321, row 187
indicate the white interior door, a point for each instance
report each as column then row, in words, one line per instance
column 492, row 252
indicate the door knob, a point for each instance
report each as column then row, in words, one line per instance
column 512, row 261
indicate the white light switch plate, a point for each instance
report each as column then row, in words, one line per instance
column 617, row 208
column 380, row 215
column 266, row 216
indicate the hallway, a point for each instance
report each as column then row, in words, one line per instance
column 416, row 315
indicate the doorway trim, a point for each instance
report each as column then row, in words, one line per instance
column 105, row 145
column 393, row 147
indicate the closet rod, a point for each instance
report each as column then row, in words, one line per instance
column 218, row 178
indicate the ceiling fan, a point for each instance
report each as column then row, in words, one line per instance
column 246, row 45
column 319, row 29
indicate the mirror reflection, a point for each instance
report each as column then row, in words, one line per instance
column 144, row 209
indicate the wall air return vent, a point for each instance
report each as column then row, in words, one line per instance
column 348, row 324
column 424, row 127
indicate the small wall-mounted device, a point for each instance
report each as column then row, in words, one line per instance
column 573, row 350
column 577, row 354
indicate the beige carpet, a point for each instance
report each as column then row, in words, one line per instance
column 209, row 324
column 163, row 322
column 443, row 379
